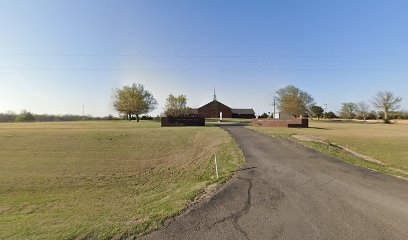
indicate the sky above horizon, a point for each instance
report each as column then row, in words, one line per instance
column 56, row 56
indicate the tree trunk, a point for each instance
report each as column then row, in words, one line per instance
column 129, row 117
column 137, row 117
column 386, row 116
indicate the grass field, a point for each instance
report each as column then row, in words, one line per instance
column 105, row 179
column 226, row 121
column 385, row 142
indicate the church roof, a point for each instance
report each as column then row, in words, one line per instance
column 240, row 111
column 243, row 111
column 212, row 102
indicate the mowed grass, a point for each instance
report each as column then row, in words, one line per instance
column 226, row 121
column 385, row 142
column 107, row 179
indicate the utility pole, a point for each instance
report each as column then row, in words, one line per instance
column 274, row 108
column 325, row 111
column 83, row 111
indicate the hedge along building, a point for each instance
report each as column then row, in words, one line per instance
column 214, row 108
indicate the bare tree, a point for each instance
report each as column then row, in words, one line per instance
column 177, row 106
column 363, row 109
column 292, row 100
column 133, row 100
column 348, row 110
column 386, row 102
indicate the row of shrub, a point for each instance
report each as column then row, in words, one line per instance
column 370, row 116
column 30, row 117
column 380, row 116
column 25, row 116
column 144, row 117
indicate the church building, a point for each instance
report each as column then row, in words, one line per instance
column 214, row 108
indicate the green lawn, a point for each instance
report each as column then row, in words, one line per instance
column 226, row 121
column 104, row 179
column 385, row 142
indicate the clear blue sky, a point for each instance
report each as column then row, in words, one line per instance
column 56, row 56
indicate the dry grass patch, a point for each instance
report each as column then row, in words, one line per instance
column 105, row 179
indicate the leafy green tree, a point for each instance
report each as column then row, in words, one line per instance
column 264, row 115
column 316, row 111
column 133, row 100
column 386, row 102
column 292, row 100
column 25, row 117
column 330, row 115
column 176, row 106
column 348, row 110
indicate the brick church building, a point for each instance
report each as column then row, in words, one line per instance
column 214, row 108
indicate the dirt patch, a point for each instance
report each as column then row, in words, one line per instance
column 3, row 209
column 207, row 194
column 309, row 138
column 138, row 221
column 400, row 121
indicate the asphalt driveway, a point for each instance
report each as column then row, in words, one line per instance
column 287, row 191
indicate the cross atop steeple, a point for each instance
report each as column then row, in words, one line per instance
column 215, row 95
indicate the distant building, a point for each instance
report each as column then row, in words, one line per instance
column 283, row 116
column 214, row 108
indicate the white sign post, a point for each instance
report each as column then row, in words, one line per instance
column 216, row 165
column 220, row 116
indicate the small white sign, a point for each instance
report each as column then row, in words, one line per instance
column 216, row 165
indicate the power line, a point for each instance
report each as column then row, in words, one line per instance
column 104, row 55
column 202, row 69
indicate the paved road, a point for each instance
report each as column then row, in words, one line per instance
column 287, row 191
